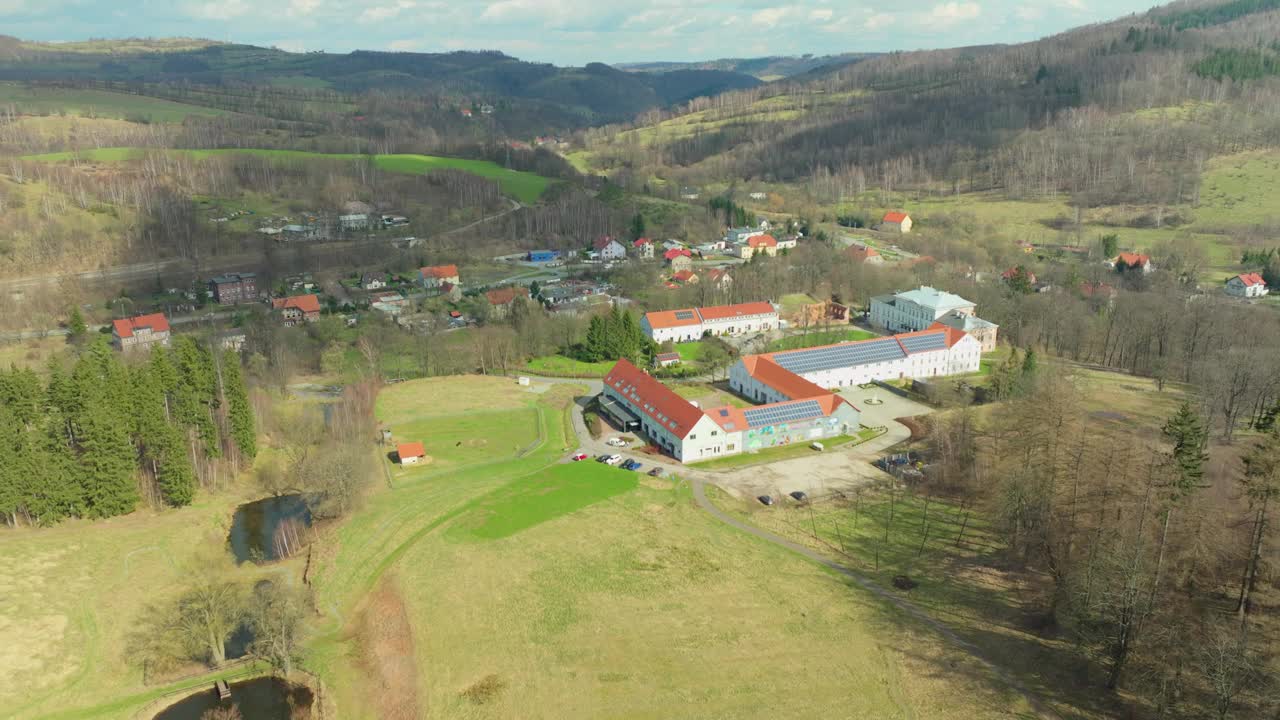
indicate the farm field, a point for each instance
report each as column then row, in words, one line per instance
column 98, row 104
column 524, row 186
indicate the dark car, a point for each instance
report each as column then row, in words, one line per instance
column 799, row 496
column 603, row 458
column 765, row 500
column 636, row 466
column 656, row 472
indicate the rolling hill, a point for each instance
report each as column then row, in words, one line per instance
column 765, row 68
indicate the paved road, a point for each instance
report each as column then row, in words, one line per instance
column 58, row 331
column 700, row 497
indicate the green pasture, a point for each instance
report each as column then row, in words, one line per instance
column 472, row 437
column 561, row 366
column 690, row 351
column 97, row 103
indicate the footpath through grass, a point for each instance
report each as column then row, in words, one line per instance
column 524, row 186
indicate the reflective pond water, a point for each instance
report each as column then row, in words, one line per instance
column 269, row 529
column 265, row 698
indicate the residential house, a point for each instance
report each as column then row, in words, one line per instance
column 297, row 308
column 689, row 193
column 720, row 278
column 410, row 453
column 666, row 359
column 1101, row 290
column 757, row 195
column 609, row 248
column 1247, row 285
column 436, row 275
column 758, row 245
column 389, row 302
column 141, row 332
column 897, row 222
column 679, row 259
column 1127, row 261
column 643, row 248
column 864, row 255
column 234, row 288
column 736, row 236
column 466, row 112
column 451, row 291
column 373, row 280
column 692, row 323
column 686, row 277
column 503, row 298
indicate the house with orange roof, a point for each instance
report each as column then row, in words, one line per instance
column 720, row 278
column 864, row 255
column 434, row 276
column 1247, row 285
column 689, row 433
column 140, row 332
column 758, row 245
column 692, row 323
column 501, row 299
column 1127, row 261
column 297, row 309
column 686, row 277
column 896, row 221
column 643, row 248
column 410, row 453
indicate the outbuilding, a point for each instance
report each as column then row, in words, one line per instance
column 410, row 453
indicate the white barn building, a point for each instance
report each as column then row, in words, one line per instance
column 692, row 323
column 1247, row 285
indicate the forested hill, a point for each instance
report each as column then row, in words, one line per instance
column 766, row 68
column 592, row 94
column 1077, row 114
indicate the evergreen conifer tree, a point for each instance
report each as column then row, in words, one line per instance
column 239, row 411
column 1187, row 431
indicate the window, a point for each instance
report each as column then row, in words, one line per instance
column 715, row 433
column 693, row 437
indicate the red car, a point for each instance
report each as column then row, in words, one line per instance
column 579, row 456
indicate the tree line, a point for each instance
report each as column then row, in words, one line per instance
column 100, row 437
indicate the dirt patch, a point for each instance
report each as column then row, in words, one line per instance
column 917, row 428
column 485, row 690
column 384, row 639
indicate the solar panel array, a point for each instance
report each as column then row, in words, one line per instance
column 790, row 412
column 924, row 343
column 840, row 356
column 684, row 314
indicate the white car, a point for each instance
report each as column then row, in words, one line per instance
column 613, row 460
column 615, row 442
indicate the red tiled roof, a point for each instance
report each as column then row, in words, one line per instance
column 1251, row 279
column 862, row 253
column 895, row 217
column 717, row 273
column 663, row 357
column 156, row 322
column 724, row 312
column 1132, row 259
column 764, row 369
column 504, row 296
column 954, row 335
column 1089, row 289
column 674, row 253
column 604, row 242
column 305, row 303
column 440, row 272
column 667, row 318
column 762, row 241
column 685, row 276
column 652, row 398
column 410, row 450
column 642, row 241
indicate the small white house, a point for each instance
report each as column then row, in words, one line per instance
column 608, row 248
column 643, row 248
column 896, row 221
column 410, row 453
column 1247, row 285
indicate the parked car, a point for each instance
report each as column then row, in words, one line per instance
column 613, row 460
column 633, row 465
column 656, row 472
column 817, row 446
column 615, row 442
column 603, row 458
column 579, row 456
column 765, row 500
column 799, row 496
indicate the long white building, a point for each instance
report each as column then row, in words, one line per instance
column 689, row 434
column 692, row 323
column 936, row 352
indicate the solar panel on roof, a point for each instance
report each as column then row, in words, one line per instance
column 840, row 356
column 724, row 413
column 924, row 343
column 790, row 412
column 684, row 314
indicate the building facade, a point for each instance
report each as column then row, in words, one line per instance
column 610, row 249
column 142, row 332
column 234, row 288
column 1247, row 285
column 297, row 309
column 692, row 323
column 896, row 222
column 981, row 330
column 916, row 309
column 643, row 248
column 436, row 275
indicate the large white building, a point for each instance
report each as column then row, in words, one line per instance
column 936, row 352
column 916, row 309
column 692, row 323
column 689, row 434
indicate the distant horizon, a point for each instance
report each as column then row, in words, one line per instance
column 571, row 32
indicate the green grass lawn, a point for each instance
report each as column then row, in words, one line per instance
column 98, row 103
column 820, row 337
column 468, row 438
column 690, row 351
column 524, row 186
column 561, row 366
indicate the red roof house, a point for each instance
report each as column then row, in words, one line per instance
column 864, row 255
column 410, row 453
column 297, row 308
column 139, row 332
column 674, row 253
column 1248, row 285
column 895, row 220
column 437, row 275
column 688, row 277
column 1132, row 261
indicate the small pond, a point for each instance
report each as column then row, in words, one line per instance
column 265, row 698
column 269, row 529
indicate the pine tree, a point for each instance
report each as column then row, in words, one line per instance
column 1190, row 437
column 1029, row 363
column 195, row 394
column 240, row 413
column 594, row 345
column 107, row 460
column 160, row 442
column 76, row 327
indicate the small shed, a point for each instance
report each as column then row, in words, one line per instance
column 410, row 453
column 666, row 359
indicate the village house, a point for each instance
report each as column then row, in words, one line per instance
column 757, row 195
column 373, row 280
column 689, row 193
column 141, row 332
column 1127, row 261
column 686, row 277
column 234, row 288
column 692, row 323
column 503, row 298
column 608, row 248
column 410, row 453
column 451, row 291
column 720, row 278
column 666, row 359
column 896, row 222
column 436, row 275
column 1247, row 285
column 389, row 302
column 679, row 259
column 759, row 245
column 864, row 255
column 298, row 308
column 643, row 248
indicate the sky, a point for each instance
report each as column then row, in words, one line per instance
column 569, row 32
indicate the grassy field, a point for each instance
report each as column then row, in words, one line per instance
column 783, row 452
column 690, row 351
column 821, row 337
column 561, row 366
column 1238, row 190
column 97, row 103
column 524, row 186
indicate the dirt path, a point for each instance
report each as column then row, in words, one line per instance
column 1042, row 710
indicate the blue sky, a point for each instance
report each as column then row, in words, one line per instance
column 569, row 31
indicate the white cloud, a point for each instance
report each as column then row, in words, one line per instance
column 298, row 8
column 769, row 17
column 224, row 10
column 878, row 21
column 404, row 45
column 379, row 13
column 949, row 13
column 821, row 15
